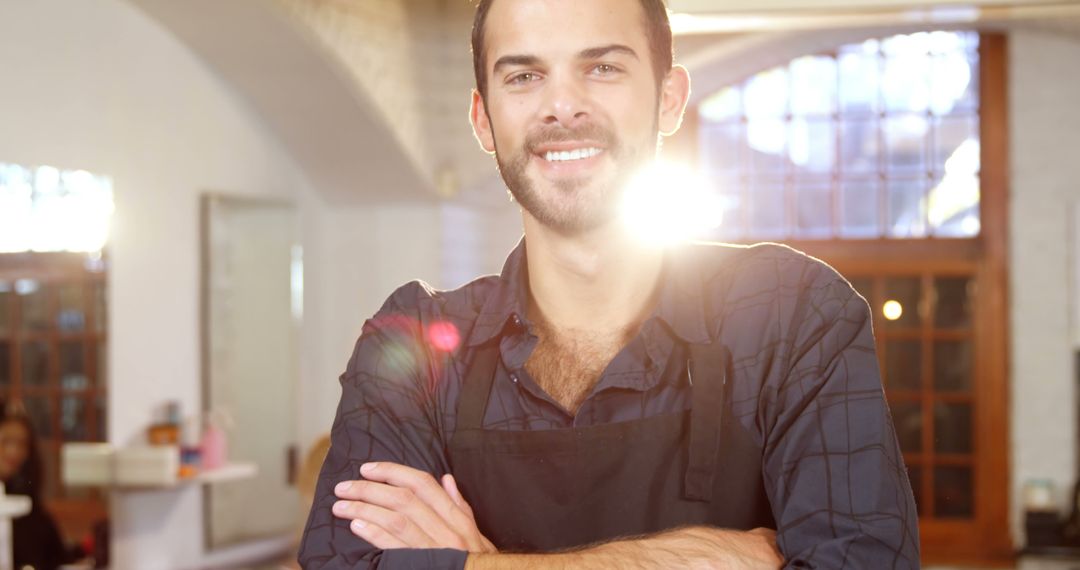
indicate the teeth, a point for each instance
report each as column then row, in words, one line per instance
column 576, row 154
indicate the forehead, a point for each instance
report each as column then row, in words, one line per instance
column 551, row 29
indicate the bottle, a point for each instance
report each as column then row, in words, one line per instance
column 214, row 446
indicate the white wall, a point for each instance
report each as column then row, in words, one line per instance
column 1045, row 126
column 96, row 85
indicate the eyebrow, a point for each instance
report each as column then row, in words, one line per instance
column 590, row 53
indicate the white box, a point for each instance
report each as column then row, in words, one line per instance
column 147, row 466
column 86, row 464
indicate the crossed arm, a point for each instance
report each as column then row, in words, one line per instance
column 397, row 506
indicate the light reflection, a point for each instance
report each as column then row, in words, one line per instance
column 892, row 310
column 443, row 336
column 667, row 203
column 46, row 209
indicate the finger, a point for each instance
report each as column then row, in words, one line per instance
column 405, row 502
column 450, row 484
column 423, row 485
column 376, row 536
column 396, row 525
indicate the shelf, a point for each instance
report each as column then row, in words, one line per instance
column 228, row 472
column 13, row 506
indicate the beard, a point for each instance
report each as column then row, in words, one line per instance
column 571, row 208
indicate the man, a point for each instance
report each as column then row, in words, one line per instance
column 601, row 404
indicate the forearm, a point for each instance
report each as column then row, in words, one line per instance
column 691, row 547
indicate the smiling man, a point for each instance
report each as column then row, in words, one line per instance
column 601, row 404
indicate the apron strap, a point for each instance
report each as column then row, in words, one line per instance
column 708, row 377
column 476, row 391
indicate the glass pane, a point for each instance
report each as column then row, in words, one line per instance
column 766, row 94
column 99, row 409
column 956, row 146
column 952, row 428
column 6, row 318
column 859, row 209
column 768, row 140
column 907, row 417
column 953, row 301
column 859, row 77
column 954, row 83
column 40, row 412
column 72, row 315
column 73, row 418
column 102, row 364
column 953, row 492
column 813, row 86
column 35, row 304
column 859, row 150
column 905, row 144
column 6, row 362
column 952, row 366
column 812, row 146
column 903, row 364
column 724, row 148
column 907, row 293
column 906, row 215
column 725, row 105
column 915, row 477
column 953, row 207
column 73, row 366
column 905, row 84
column 35, row 363
column 814, row 211
column 100, row 314
column 767, row 211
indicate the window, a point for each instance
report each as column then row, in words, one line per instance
column 53, row 318
column 886, row 158
column 877, row 140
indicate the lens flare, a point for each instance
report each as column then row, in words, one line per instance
column 444, row 336
column 667, row 203
column 892, row 310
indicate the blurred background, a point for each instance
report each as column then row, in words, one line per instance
column 201, row 201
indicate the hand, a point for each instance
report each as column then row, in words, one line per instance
column 400, row 507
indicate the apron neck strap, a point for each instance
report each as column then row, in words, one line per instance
column 708, row 377
column 477, row 388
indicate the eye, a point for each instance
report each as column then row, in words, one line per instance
column 522, row 78
column 605, row 69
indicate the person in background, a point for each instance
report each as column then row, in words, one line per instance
column 36, row 540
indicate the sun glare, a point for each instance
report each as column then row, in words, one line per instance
column 667, row 203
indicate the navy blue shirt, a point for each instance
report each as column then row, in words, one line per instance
column 805, row 381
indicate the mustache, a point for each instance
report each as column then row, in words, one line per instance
column 553, row 134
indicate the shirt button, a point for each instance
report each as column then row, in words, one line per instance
column 513, row 378
column 516, row 320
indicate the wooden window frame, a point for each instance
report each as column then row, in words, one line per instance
column 984, row 539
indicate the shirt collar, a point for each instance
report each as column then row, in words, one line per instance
column 682, row 304
column 506, row 302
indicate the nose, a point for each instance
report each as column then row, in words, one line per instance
column 567, row 102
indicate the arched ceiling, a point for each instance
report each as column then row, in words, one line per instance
column 371, row 96
column 340, row 138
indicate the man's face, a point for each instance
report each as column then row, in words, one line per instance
column 572, row 108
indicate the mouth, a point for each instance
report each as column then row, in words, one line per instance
column 571, row 155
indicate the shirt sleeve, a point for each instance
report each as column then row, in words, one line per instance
column 833, row 469
column 385, row 414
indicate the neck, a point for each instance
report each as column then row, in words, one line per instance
column 598, row 282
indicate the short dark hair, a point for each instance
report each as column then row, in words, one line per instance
column 30, row 479
column 657, row 27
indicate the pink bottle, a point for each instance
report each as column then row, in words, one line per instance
column 214, row 446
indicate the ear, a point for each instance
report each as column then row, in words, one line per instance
column 481, row 126
column 673, row 97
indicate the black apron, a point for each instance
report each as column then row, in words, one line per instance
column 539, row 491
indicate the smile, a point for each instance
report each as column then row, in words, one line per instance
column 569, row 155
